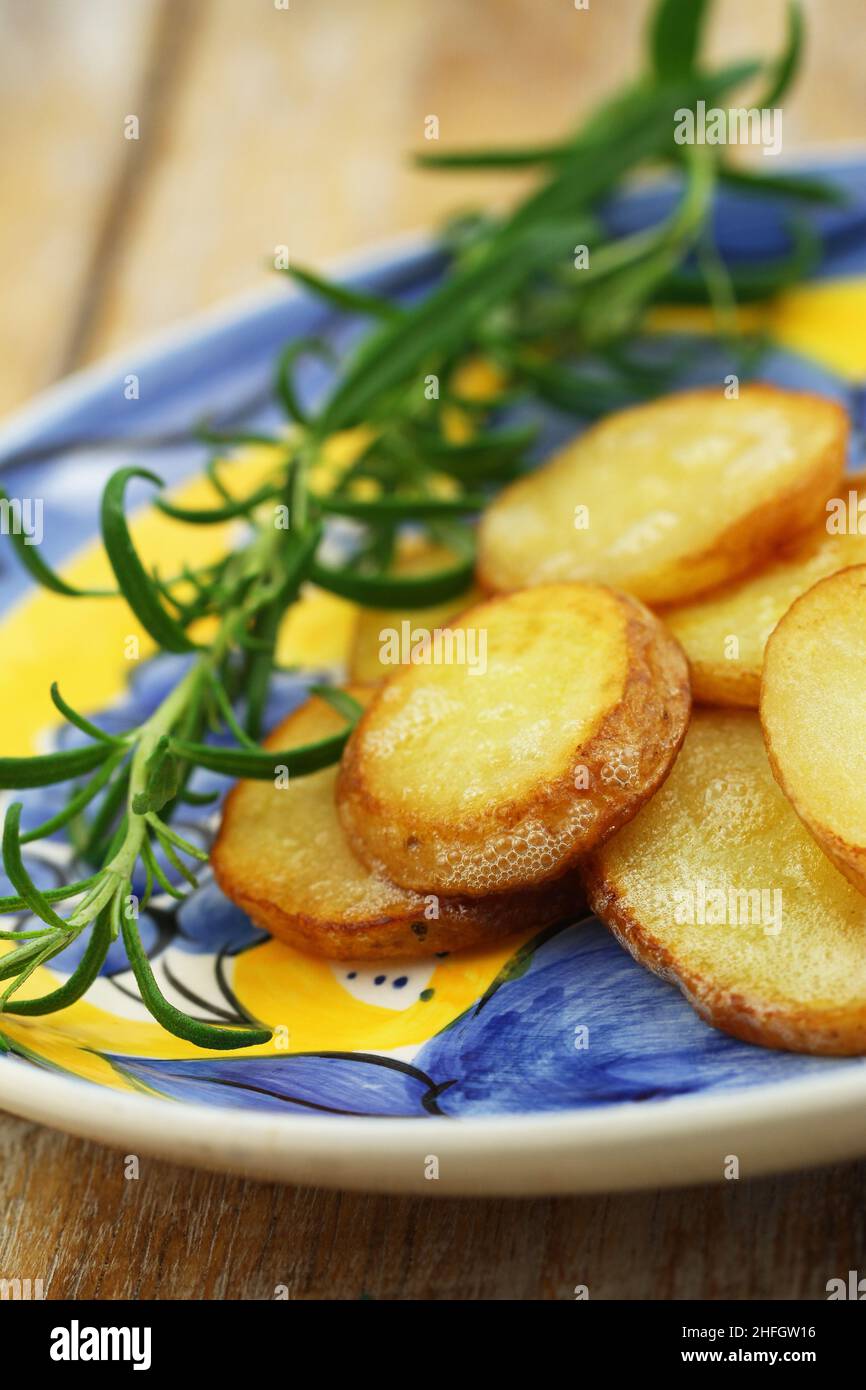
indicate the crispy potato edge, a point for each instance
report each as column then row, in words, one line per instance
column 849, row 859
column 461, row 924
column 657, row 662
column 831, row 1033
column 739, row 548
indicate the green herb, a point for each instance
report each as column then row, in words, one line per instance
column 513, row 295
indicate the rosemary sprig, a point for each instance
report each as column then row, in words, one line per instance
column 513, row 297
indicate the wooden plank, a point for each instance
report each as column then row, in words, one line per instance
column 68, row 77
column 264, row 127
column 73, row 1219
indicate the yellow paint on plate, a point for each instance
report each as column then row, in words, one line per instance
column 823, row 320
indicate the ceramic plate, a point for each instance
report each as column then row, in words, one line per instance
column 546, row 1064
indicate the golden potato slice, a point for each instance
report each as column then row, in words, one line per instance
column 369, row 662
column 725, row 632
column 669, row 499
column 717, row 887
column 813, row 711
column 282, row 856
column 481, row 776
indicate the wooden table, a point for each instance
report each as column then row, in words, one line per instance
column 71, row 1218
column 259, row 127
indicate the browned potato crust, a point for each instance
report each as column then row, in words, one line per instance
column 813, row 711
column 282, row 856
column 670, row 499
column 677, row 883
column 749, row 609
column 470, row 782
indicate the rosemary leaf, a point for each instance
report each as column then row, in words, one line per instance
column 751, row 281
column 438, row 324
column 675, row 35
column 163, row 779
column 18, row 875
column 342, row 297
column 79, row 981
column 166, row 833
column 340, row 700
column 172, row 1019
column 135, row 584
column 44, row 769
column 785, row 69
column 42, row 572
column 76, row 803
column 396, row 507
column 156, row 871
column 209, row 516
column 283, row 383
column 51, row 895
column 30, row 953
column 385, row 590
column 494, row 158
column 263, row 764
column 802, row 187
column 80, row 722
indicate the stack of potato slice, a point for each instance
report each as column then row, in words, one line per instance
column 466, row 795
column 474, row 797
column 282, row 856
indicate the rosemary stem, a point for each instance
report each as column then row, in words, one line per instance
column 253, row 559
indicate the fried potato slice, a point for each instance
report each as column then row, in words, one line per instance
column 724, row 633
column 669, row 499
column 813, row 711
column 282, row 856
column 717, row 887
column 481, row 778
column 369, row 662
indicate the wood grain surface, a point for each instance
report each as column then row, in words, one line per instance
column 72, row 1219
column 259, row 127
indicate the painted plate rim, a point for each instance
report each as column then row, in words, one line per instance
column 663, row 1143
